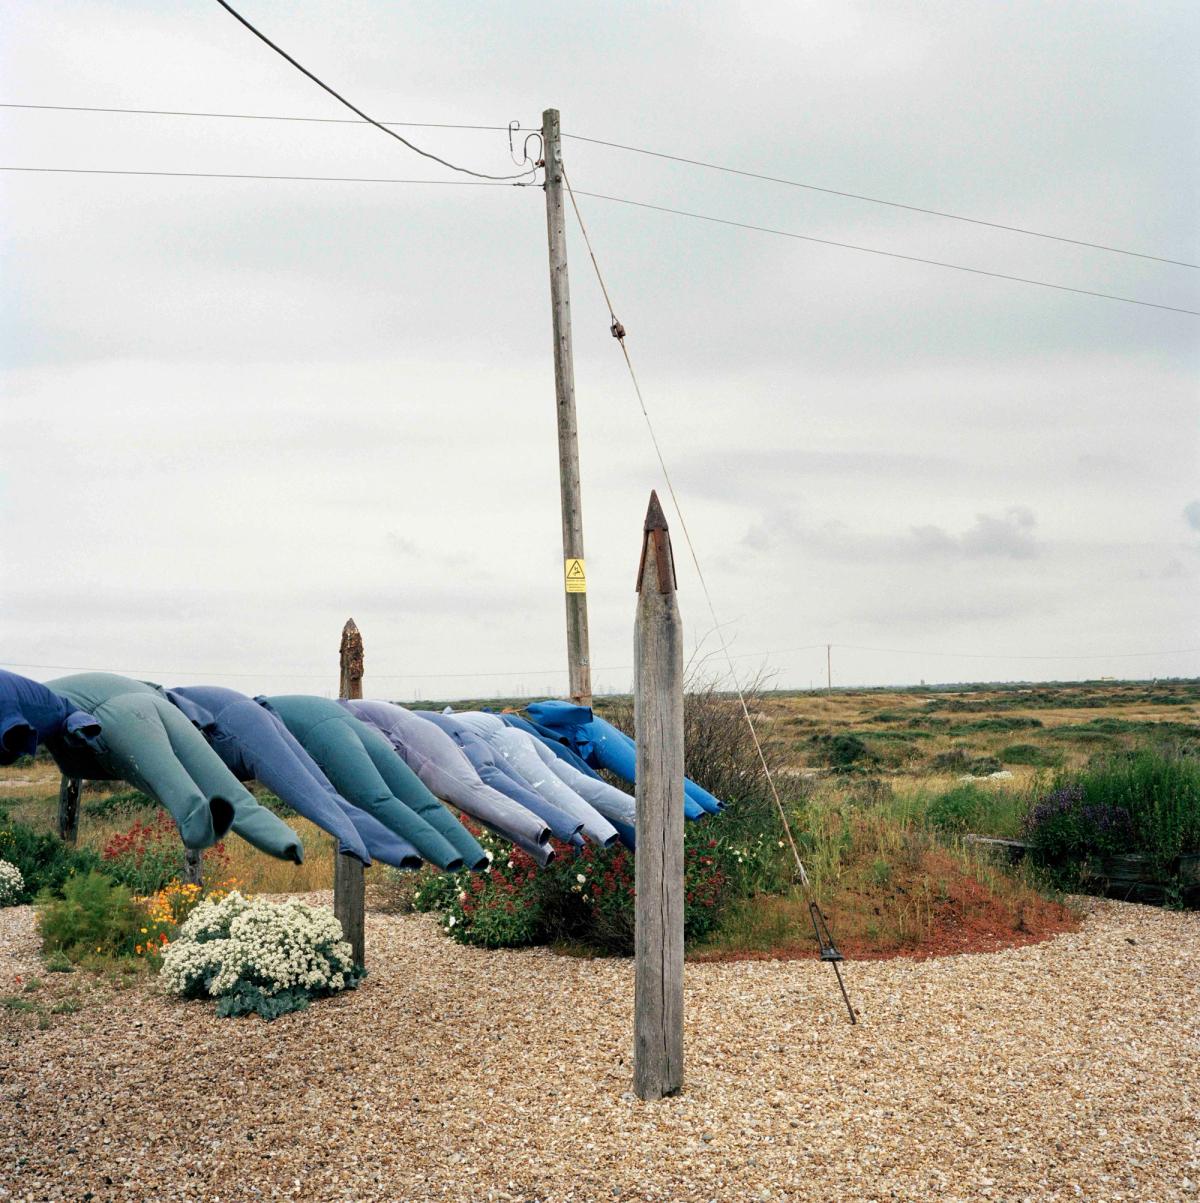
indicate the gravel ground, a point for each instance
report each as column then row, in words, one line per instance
column 1065, row 1070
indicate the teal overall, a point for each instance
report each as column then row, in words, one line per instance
column 149, row 743
column 369, row 774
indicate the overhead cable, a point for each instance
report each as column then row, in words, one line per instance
column 641, row 150
column 91, row 108
column 870, row 250
column 231, row 175
column 506, row 182
column 875, row 200
column 391, row 133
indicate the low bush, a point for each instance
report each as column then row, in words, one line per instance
column 259, row 957
column 95, row 917
column 1145, row 802
column 959, row 810
column 1032, row 754
column 587, row 895
column 1008, row 722
column 149, row 855
column 44, row 861
column 12, row 884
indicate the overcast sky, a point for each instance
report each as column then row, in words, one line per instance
column 237, row 412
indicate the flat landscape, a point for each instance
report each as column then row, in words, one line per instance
column 1014, row 1041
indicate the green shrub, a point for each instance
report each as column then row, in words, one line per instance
column 94, row 917
column 1045, row 758
column 1006, row 723
column 45, row 862
column 958, row 810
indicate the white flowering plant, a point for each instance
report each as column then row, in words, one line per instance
column 11, row 883
column 256, row 956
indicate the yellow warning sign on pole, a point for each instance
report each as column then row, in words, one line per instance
column 576, row 577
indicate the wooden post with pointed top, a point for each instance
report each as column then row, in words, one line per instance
column 349, row 885
column 658, row 867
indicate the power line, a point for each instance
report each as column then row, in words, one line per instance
column 641, row 150
column 230, row 175
column 90, row 108
column 897, row 651
column 724, row 221
column 875, row 200
column 355, row 109
column 870, row 250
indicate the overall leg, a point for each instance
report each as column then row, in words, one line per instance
column 408, row 787
column 254, row 823
column 337, row 748
column 268, row 755
column 138, row 748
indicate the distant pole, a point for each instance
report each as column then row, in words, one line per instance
column 574, row 571
column 828, row 668
column 68, row 809
column 349, row 885
column 658, row 866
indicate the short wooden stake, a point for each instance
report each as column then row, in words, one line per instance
column 68, row 808
column 349, row 884
column 193, row 867
column 658, row 872
column 349, row 903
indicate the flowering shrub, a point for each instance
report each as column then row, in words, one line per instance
column 1146, row 801
column 258, row 956
column 12, row 883
column 166, row 911
column 149, row 855
column 586, row 894
column 1063, row 824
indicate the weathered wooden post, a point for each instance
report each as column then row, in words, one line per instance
column 658, row 874
column 68, row 809
column 193, row 867
column 349, row 885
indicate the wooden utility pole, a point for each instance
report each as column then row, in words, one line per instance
column 828, row 668
column 574, row 570
column 658, row 867
column 349, row 885
column 68, row 809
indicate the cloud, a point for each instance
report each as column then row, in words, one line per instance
column 1191, row 514
column 992, row 536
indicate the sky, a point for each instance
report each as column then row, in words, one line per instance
column 237, row 412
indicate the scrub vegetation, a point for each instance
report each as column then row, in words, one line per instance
column 883, row 788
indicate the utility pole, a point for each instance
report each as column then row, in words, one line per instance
column 574, row 571
column 828, row 669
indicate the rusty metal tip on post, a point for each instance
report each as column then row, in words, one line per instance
column 655, row 532
column 655, row 518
